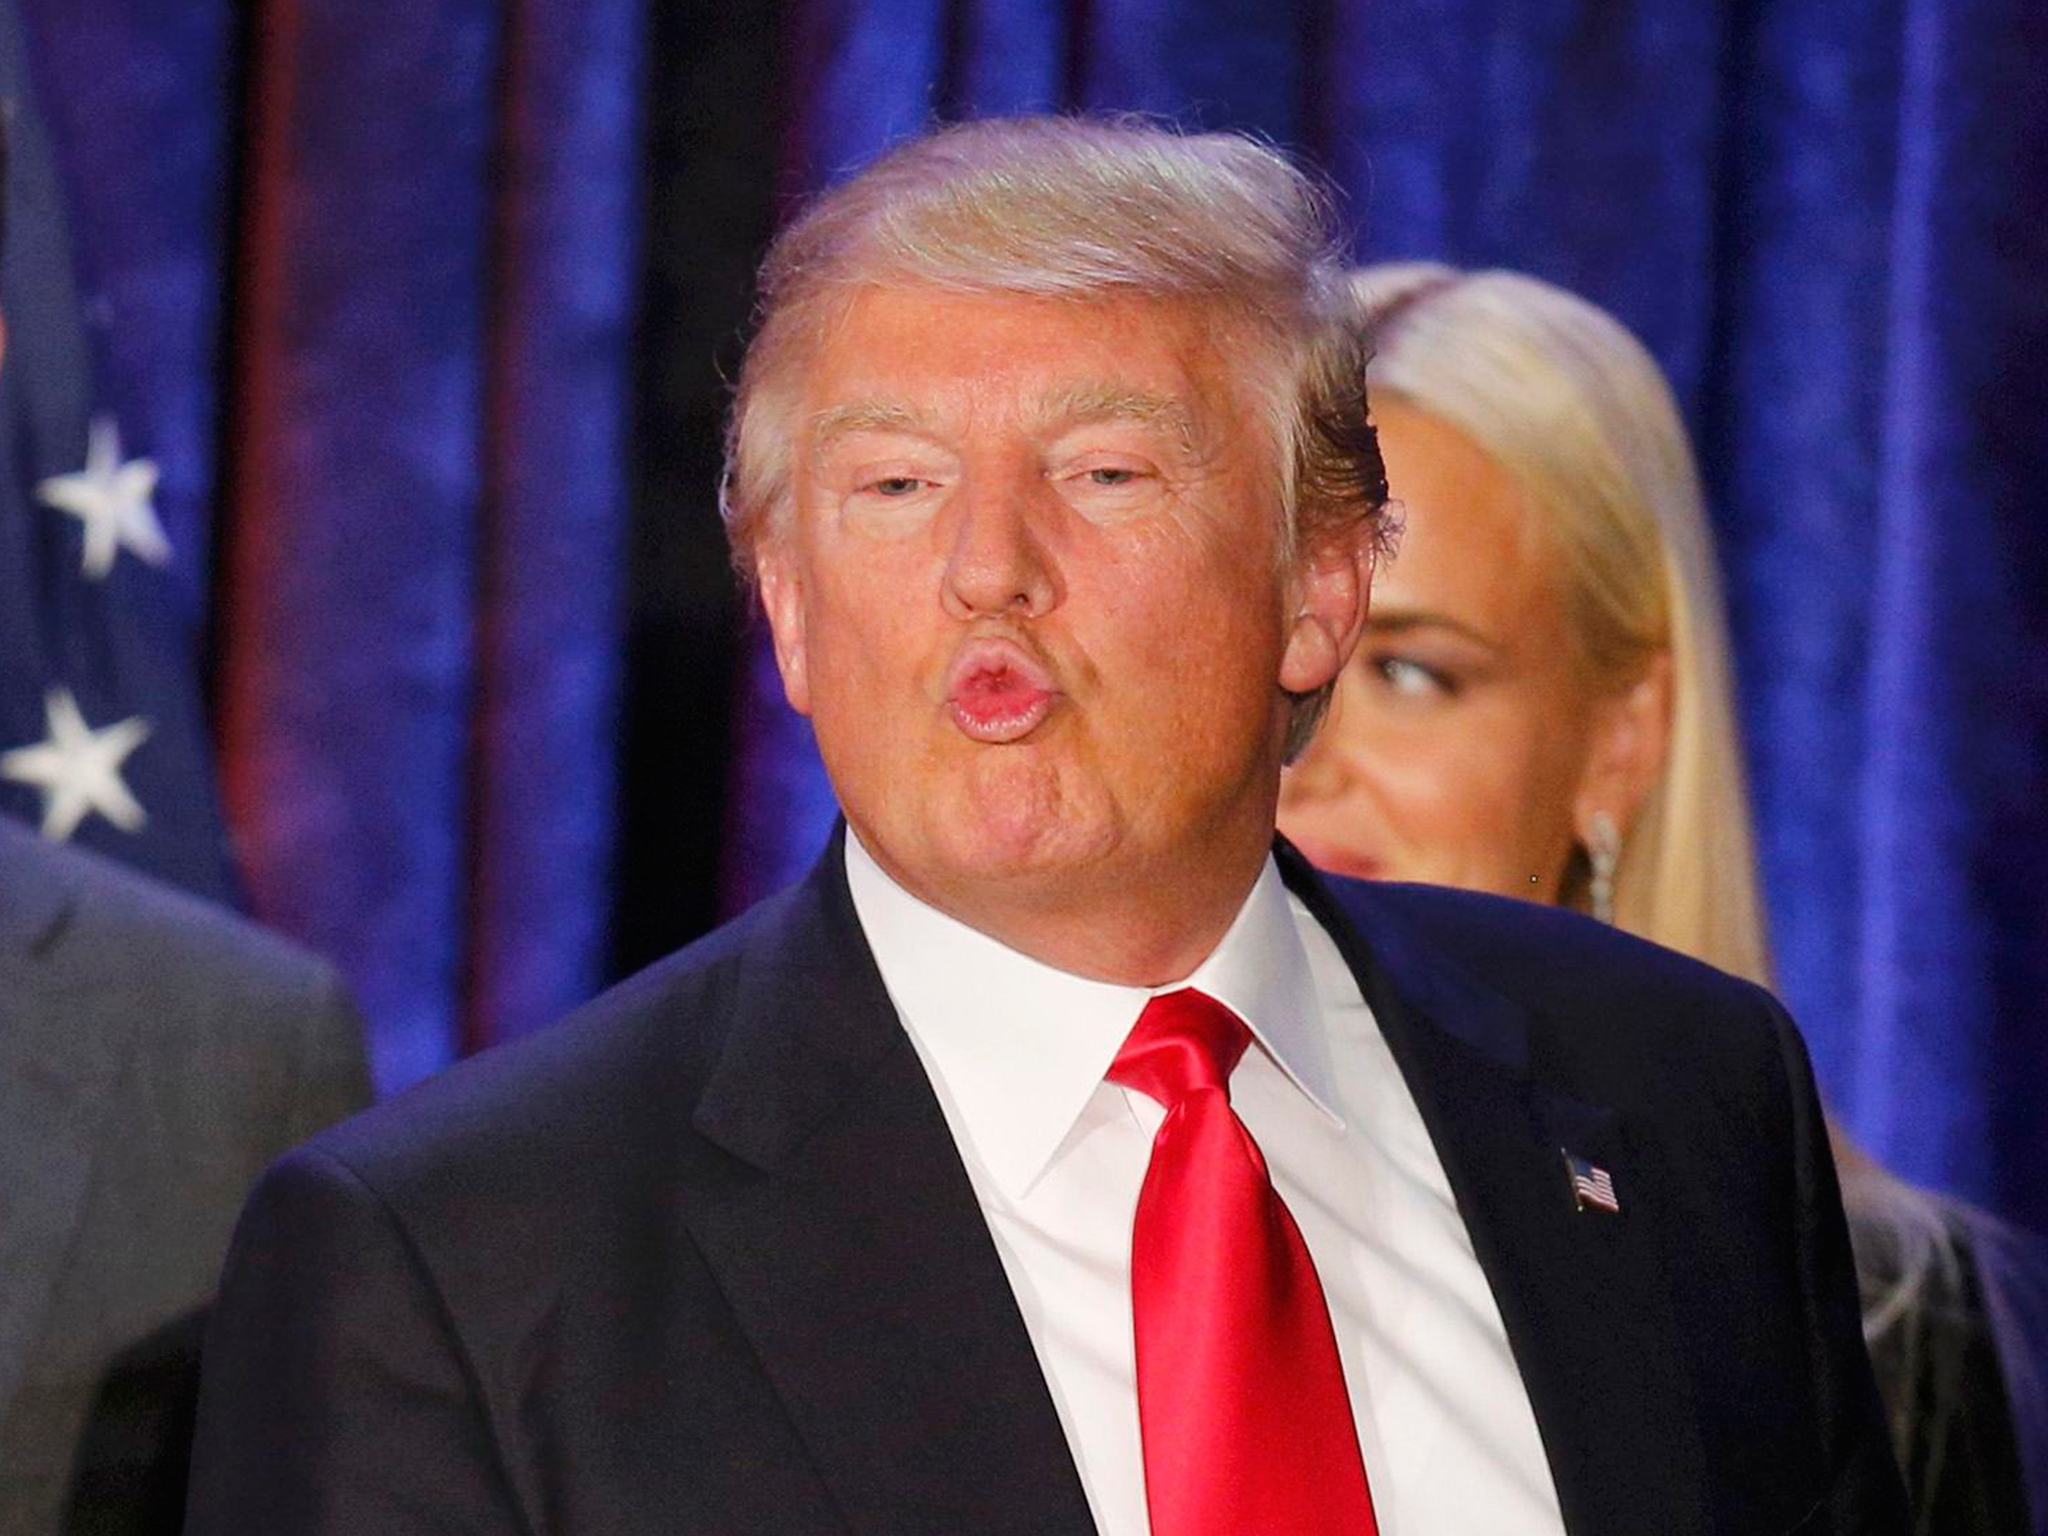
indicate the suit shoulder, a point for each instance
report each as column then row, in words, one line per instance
column 118, row 953
column 1598, row 985
column 1527, row 937
column 133, row 921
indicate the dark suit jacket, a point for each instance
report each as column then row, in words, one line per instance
column 704, row 1258
column 155, row 1054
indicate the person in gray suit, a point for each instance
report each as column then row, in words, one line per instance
column 156, row 1052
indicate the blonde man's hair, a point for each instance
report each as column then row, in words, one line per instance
column 1085, row 210
column 1572, row 406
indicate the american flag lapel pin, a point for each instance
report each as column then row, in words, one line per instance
column 1592, row 1185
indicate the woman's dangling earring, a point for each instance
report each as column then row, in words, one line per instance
column 1603, row 853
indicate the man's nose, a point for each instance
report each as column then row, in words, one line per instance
column 998, row 563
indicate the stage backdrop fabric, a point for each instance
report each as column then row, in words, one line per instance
column 422, row 309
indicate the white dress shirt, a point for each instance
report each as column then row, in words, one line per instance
column 1017, row 1053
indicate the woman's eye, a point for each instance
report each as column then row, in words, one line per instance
column 1411, row 679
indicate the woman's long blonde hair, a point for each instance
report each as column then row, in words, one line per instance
column 1570, row 404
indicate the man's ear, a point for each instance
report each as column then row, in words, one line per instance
column 1335, row 586
column 1631, row 741
column 782, row 599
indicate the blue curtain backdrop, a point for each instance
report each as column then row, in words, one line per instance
column 421, row 308
column 424, row 519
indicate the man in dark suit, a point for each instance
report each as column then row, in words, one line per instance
column 1063, row 1154
column 155, row 1054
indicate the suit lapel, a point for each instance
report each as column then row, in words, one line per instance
column 856, row 1256
column 1582, row 1293
column 59, row 1058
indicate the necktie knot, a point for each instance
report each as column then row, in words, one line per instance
column 1184, row 1041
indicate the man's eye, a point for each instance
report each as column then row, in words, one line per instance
column 1411, row 679
column 1112, row 476
column 895, row 485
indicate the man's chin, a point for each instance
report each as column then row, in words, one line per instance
column 1026, row 851
column 1015, row 813
column 1013, row 852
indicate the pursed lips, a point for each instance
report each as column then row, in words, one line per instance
column 997, row 692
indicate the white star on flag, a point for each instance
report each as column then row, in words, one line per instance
column 115, row 502
column 78, row 769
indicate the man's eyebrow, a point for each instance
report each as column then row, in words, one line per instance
column 838, row 421
column 1067, row 404
column 1403, row 621
column 1119, row 402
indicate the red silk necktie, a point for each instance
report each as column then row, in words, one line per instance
column 1247, row 1426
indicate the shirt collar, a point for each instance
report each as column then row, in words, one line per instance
column 1019, row 1047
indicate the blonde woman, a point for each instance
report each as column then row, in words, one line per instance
column 1543, row 708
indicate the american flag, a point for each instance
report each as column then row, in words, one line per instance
column 1591, row 1185
column 102, row 731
